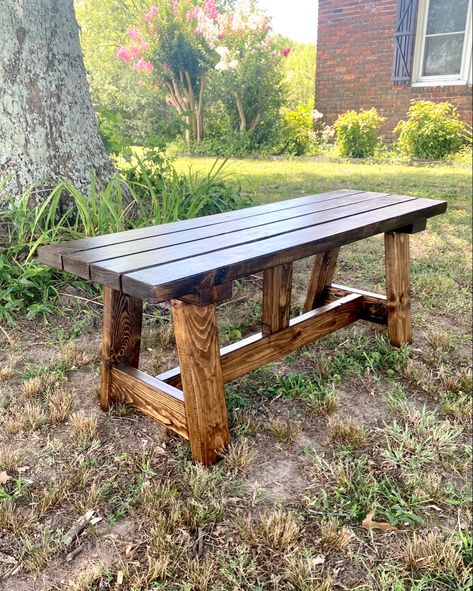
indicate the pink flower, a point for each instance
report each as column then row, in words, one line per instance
column 286, row 51
column 192, row 14
column 135, row 51
column 124, row 54
column 134, row 34
column 175, row 5
column 152, row 12
column 144, row 46
column 148, row 67
column 169, row 101
column 210, row 8
column 139, row 65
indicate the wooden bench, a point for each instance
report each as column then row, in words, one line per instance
column 194, row 262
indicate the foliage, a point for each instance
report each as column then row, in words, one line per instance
column 432, row 130
column 297, row 131
column 299, row 74
column 357, row 133
column 149, row 191
column 147, row 119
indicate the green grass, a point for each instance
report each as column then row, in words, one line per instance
column 319, row 439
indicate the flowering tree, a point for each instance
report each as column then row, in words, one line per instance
column 180, row 42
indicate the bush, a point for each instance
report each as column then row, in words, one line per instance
column 357, row 133
column 297, row 131
column 432, row 131
column 149, row 191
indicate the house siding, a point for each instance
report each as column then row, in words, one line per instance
column 354, row 64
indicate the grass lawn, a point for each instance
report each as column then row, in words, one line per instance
column 321, row 439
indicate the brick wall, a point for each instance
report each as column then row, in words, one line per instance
column 354, row 64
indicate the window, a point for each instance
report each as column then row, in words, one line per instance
column 443, row 45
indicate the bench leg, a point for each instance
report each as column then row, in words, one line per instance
column 322, row 277
column 277, row 286
column 202, row 380
column 122, row 319
column 398, row 287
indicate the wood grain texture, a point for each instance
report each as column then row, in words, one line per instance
column 213, row 295
column 122, row 321
column 179, row 278
column 398, row 288
column 202, row 380
column 111, row 270
column 374, row 304
column 277, row 288
column 258, row 350
column 322, row 276
column 53, row 254
column 156, row 399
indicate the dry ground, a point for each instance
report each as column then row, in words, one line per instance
column 320, row 439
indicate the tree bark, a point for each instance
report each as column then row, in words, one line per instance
column 47, row 123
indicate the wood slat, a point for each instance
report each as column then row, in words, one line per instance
column 79, row 262
column 398, row 288
column 374, row 304
column 52, row 254
column 151, row 396
column 202, row 382
column 277, row 288
column 322, row 276
column 258, row 350
column 168, row 281
column 122, row 320
column 110, row 272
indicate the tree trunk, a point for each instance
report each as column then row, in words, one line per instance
column 47, row 124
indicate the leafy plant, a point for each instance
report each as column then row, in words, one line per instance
column 358, row 133
column 432, row 131
column 297, row 131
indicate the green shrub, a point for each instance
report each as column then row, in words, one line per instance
column 297, row 131
column 149, row 191
column 358, row 133
column 432, row 131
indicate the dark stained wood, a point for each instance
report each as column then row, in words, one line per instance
column 195, row 328
column 109, row 272
column 122, row 320
column 415, row 228
column 204, row 237
column 322, row 276
column 176, row 279
column 152, row 397
column 398, row 288
column 258, row 350
column 213, row 295
column 277, row 287
column 374, row 304
column 52, row 254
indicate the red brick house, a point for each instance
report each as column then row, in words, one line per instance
column 384, row 53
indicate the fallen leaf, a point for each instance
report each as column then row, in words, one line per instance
column 4, row 478
column 319, row 559
column 22, row 469
column 368, row 523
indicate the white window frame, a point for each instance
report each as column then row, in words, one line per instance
column 465, row 75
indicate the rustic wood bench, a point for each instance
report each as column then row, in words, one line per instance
column 194, row 262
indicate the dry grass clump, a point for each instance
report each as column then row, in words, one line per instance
column 36, row 554
column 83, row 427
column 239, row 455
column 7, row 371
column 9, row 459
column 77, row 355
column 286, row 431
column 278, row 529
column 432, row 554
column 33, row 387
column 59, row 405
column 333, row 536
column 347, row 433
column 32, row 416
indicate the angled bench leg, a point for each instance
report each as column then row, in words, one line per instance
column 122, row 320
column 398, row 287
column 321, row 278
column 197, row 343
column 277, row 286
